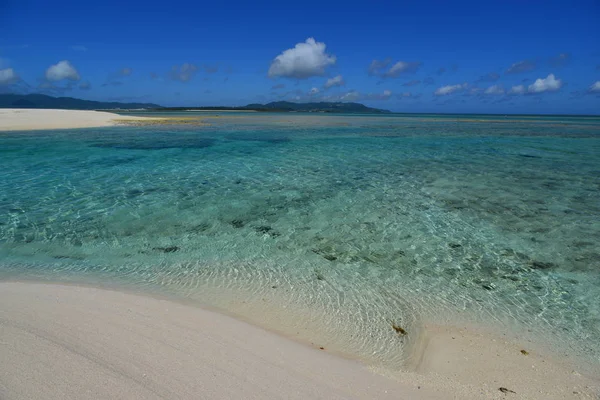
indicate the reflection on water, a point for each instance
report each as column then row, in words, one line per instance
column 335, row 227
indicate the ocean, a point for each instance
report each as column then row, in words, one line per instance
column 333, row 229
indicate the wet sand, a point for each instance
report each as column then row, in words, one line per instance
column 72, row 342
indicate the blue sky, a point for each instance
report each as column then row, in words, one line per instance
column 425, row 56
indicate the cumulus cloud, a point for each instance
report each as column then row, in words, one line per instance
column 405, row 95
column 411, row 83
column 183, row 73
column 548, row 84
column 303, row 61
column 78, row 48
column 380, row 68
column 491, row 77
column 521, row 66
column 495, row 90
column 85, row 85
column 335, row 81
column 313, row 91
column 595, row 88
column 560, row 60
column 519, row 89
column 8, row 76
column 449, row 89
column 62, row 70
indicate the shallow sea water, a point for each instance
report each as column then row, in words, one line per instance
column 325, row 227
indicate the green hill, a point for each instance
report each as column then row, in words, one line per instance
column 287, row 106
column 71, row 103
column 68, row 103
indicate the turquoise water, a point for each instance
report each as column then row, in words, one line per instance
column 329, row 228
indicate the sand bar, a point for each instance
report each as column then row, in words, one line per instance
column 72, row 342
column 19, row 119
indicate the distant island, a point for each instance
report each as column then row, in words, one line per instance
column 64, row 103
column 288, row 106
column 71, row 103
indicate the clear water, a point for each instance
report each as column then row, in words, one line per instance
column 329, row 228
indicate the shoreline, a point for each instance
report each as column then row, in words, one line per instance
column 74, row 321
column 29, row 119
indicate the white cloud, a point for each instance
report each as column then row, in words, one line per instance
column 8, row 76
column 519, row 89
column 352, row 95
column 377, row 96
column 378, row 67
column 313, row 91
column 595, row 88
column 401, row 67
column 549, row 84
column 335, row 81
column 405, row 94
column 449, row 89
column 62, row 70
column 303, row 61
column 386, row 95
column 521, row 66
column 494, row 89
column 184, row 73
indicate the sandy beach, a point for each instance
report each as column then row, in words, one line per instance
column 71, row 342
column 17, row 119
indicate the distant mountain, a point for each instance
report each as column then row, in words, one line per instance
column 287, row 106
column 330, row 107
column 68, row 103
column 71, row 103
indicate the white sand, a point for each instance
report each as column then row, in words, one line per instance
column 70, row 342
column 19, row 119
